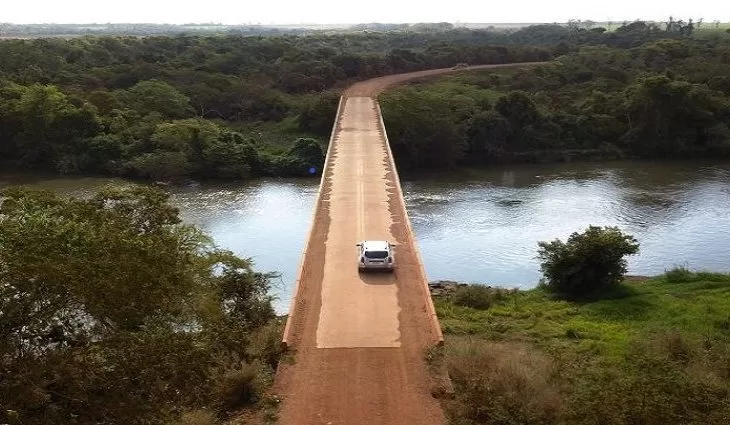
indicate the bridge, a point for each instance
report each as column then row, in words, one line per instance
column 358, row 340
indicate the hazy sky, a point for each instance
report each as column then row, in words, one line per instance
column 348, row 11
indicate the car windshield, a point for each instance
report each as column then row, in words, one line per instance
column 376, row 254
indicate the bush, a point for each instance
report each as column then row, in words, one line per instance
column 684, row 275
column 305, row 156
column 502, row 384
column 679, row 275
column 588, row 263
column 479, row 297
column 240, row 387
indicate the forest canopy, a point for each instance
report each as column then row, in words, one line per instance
column 240, row 106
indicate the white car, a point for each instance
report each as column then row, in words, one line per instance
column 375, row 255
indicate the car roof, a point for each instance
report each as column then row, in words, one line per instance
column 375, row 245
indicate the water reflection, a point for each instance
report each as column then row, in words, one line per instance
column 267, row 220
column 489, row 229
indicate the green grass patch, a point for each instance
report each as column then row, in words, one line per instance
column 665, row 341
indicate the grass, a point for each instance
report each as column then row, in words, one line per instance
column 664, row 341
column 533, row 316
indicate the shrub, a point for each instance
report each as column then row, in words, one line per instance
column 684, row 275
column 239, row 387
column 588, row 263
column 479, row 297
column 266, row 343
column 678, row 275
column 502, row 384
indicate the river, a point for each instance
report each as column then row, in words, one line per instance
column 479, row 225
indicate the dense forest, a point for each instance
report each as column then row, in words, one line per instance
column 201, row 106
column 235, row 106
column 629, row 97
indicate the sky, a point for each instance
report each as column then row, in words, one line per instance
column 233, row 12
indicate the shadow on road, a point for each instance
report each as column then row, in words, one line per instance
column 378, row 277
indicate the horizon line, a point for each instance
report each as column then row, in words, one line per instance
column 613, row 21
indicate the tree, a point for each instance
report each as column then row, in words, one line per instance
column 669, row 117
column 161, row 165
column 523, row 118
column 114, row 312
column 319, row 116
column 50, row 125
column 190, row 136
column 518, row 109
column 588, row 264
column 487, row 135
column 230, row 156
column 422, row 130
column 305, row 155
column 158, row 96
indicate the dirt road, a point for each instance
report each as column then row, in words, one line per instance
column 359, row 339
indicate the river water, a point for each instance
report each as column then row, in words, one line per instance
column 479, row 226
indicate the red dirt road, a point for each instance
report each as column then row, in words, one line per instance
column 359, row 339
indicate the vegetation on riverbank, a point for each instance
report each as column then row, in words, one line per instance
column 198, row 106
column 234, row 106
column 642, row 97
column 646, row 351
column 113, row 312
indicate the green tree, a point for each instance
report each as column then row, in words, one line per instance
column 161, row 165
column 518, row 109
column 114, row 312
column 51, row 125
column 319, row 116
column 421, row 129
column 190, row 136
column 487, row 136
column 230, row 156
column 588, row 264
column 158, row 96
column 670, row 117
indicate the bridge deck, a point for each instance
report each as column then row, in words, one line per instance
column 359, row 338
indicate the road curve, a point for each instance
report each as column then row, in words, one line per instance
column 359, row 339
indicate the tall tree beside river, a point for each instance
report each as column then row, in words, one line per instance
column 111, row 311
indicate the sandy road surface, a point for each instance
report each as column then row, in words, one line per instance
column 359, row 339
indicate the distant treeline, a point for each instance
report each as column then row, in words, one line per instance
column 51, row 30
column 172, row 107
column 668, row 96
column 235, row 106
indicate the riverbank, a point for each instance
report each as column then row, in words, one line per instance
column 655, row 352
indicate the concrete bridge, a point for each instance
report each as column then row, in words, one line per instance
column 359, row 339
